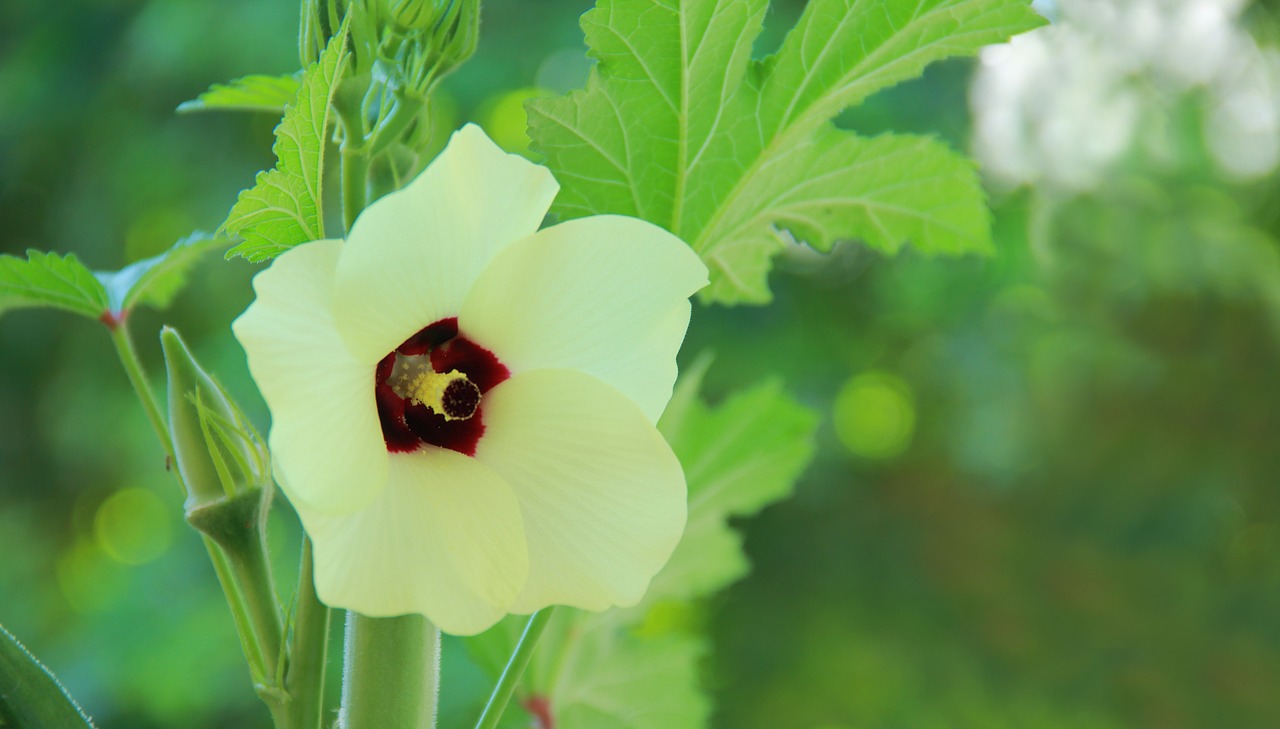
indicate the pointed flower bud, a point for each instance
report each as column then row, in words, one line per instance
column 457, row 32
column 414, row 15
column 219, row 455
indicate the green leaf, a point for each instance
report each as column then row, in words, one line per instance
column 154, row 281
column 285, row 205
column 677, row 125
column 30, row 696
column 591, row 671
column 619, row 680
column 48, row 279
column 251, row 93
column 738, row 458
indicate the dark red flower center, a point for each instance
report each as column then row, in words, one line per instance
column 430, row 390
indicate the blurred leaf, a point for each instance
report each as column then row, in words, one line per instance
column 251, row 93
column 617, row 680
column 48, row 279
column 677, row 125
column 285, row 205
column 30, row 696
column 154, row 281
column 738, row 458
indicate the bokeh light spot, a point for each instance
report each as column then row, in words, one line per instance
column 504, row 119
column 875, row 415
column 90, row 581
column 132, row 526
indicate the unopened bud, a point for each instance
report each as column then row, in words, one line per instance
column 414, row 15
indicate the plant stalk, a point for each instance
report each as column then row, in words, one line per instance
column 308, row 652
column 501, row 695
column 391, row 673
column 355, row 183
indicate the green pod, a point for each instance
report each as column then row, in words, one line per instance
column 218, row 454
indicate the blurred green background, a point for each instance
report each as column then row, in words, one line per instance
column 1046, row 489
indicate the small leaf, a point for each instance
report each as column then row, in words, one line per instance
column 679, row 126
column 251, row 93
column 30, row 696
column 48, row 279
column 285, row 205
column 155, row 281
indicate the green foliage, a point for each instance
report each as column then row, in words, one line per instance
column 252, row 93
column 63, row 282
column 155, row 281
column 679, row 126
column 30, row 696
column 738, row 458
column 285, row 205
column 607, row 671
column 615, row 679
column 48, row 279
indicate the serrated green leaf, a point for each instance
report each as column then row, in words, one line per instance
column 250, row 93
column 678, row 126
column 30, row 696
column 285, row 205
column 48, row 279
column 842, row 51
column 154, row 281
column 738, row 458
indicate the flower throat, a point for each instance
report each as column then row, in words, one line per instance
column 430, row 390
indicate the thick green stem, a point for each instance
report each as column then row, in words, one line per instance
column 308, row 652
column 138, row 378
column 235, row 601
column 390, row 673
column 253, row 575
column 515, row 669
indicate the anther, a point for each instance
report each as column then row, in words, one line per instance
column 449, row 394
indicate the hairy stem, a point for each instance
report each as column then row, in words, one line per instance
column 390, row 673
column 308, row 652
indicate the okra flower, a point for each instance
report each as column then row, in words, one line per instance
column 463, row 406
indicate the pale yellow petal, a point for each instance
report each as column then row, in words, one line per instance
column 607, row 295
column 325, row 434
column 444, row 540
column 602, row 495
column 413, row 255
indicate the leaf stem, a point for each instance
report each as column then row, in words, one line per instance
column 515, row 668
column 138, row 378
column 390, row 673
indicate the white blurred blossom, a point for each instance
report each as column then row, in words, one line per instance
column 1062, row 105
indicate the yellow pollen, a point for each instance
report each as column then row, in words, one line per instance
column 428, row 389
